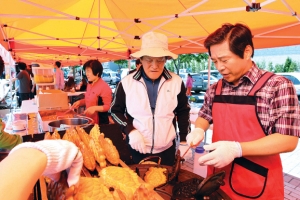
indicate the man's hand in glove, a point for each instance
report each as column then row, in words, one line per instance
column 223, row 153
column 195, row 136
column 61, row 155
column 136, row 141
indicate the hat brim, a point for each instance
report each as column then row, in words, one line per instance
column 154, row 52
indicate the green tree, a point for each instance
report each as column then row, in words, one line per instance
column 193, row 62
column 271, row 67
column 287, row 64
column 121, row 63
column 278, row 68
column 261, row 65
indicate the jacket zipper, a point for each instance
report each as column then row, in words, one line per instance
column 153, row 114
column 153, row 118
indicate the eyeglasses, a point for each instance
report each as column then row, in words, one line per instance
column 158, row 61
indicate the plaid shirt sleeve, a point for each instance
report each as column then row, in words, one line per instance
column 284, row 112
column 206, row 110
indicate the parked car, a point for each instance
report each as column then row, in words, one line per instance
column 107, row 77
column 212, row 80
column 113, row 76
column 197, row 83
column 295, row 78
column 213, row 72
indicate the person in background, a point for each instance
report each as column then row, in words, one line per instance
column 70, row 85
column 148, row 104
column 59, row 76
column 32, row 83
column 255, row 116
column 28, row 161
column 82, row 86
column 24, row 86
column 7, row 141
column 189, row 85
column 98, row 95
column 138, row 64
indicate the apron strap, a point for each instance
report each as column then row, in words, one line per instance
column 219, row 87
column 260, row 83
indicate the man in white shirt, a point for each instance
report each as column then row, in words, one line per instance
column 59, row 76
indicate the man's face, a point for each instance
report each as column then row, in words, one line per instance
column 231, row 66
column 153, row 66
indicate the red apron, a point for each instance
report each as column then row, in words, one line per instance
column 235, row 119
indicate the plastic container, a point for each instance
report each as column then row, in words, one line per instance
column 198, row 169
column 43, row 74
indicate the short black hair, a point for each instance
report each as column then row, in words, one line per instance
column 96, row 67
column 21, row 65
column 58, row 64
column 238, row 36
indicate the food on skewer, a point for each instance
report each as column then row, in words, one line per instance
column 111, row 152
column 88, row 156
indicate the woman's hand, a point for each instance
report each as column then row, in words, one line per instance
column 75, row 105
column 90, row 110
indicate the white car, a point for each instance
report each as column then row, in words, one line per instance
column 295, row 78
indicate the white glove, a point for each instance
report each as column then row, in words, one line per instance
column 223, row 153
column 61, row 155
column 136, row 141
column 195, row 137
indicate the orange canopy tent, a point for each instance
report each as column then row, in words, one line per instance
column 74, row 31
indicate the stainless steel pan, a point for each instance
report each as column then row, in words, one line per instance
column 67, row 123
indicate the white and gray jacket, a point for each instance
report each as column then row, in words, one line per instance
column 131, row 109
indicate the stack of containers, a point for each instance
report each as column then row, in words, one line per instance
column 44, row 77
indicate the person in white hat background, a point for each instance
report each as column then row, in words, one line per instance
column 148, row 103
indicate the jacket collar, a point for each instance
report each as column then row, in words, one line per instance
column 138, row 74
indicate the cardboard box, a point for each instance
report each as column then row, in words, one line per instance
column 52, row 100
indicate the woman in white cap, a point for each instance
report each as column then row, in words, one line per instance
column 148, row 103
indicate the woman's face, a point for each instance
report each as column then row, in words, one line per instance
column 89, row 74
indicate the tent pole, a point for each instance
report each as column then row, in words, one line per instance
column 129, row 67
column 208, row 72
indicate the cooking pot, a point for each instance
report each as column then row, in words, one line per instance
column 64, row 124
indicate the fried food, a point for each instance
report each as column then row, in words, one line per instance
column 156, row 176
column 144, row 193
column 120, row 178
column 111, row 152
column 55, row 135
column 47, row 136
column 92, row 188
column 88, row 157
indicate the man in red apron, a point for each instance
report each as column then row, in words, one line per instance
column 255, row 115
